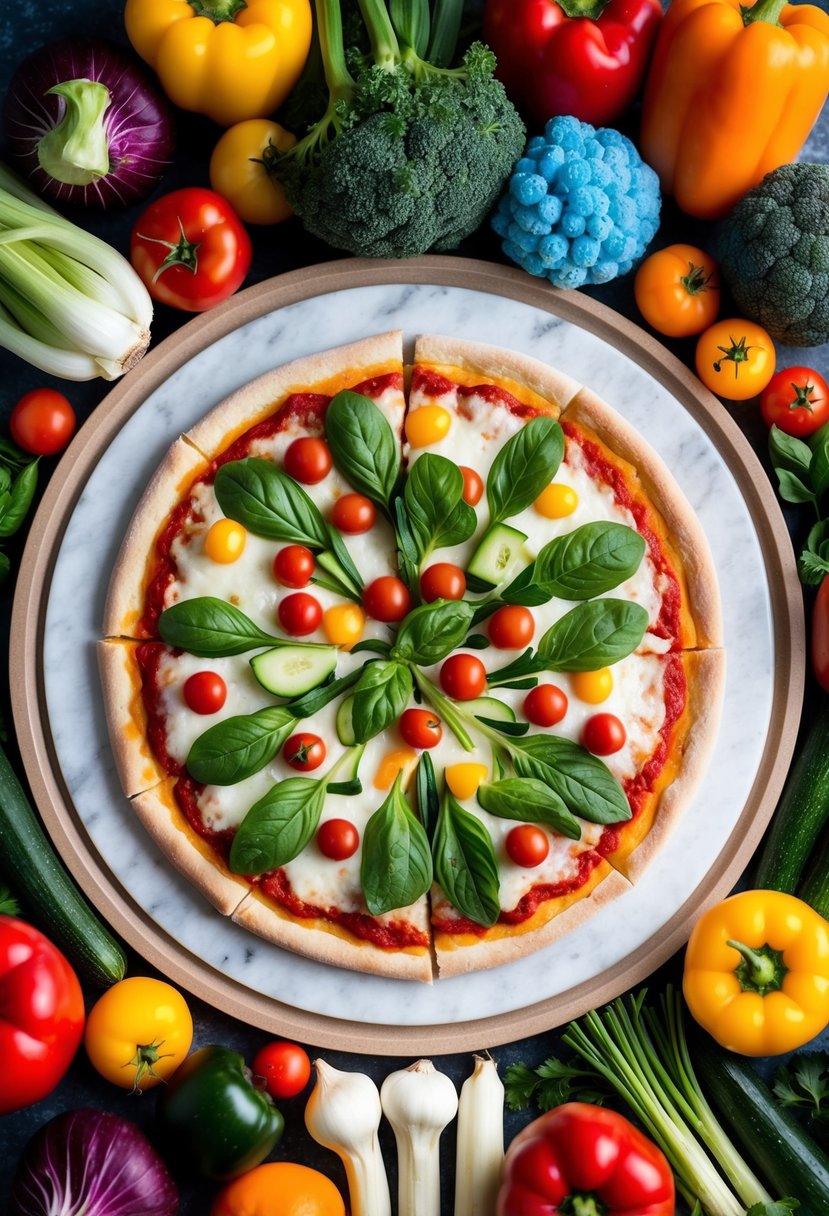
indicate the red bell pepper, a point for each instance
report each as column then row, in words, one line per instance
column 584, row 1160
column 820, row 635
column 41, row 1015
column 582, row 57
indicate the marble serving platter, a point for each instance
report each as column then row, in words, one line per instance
column 70, row 714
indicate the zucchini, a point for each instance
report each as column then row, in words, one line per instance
column 790, row 1161
column 815, row 886
column 344, row 724
column 30, row 864
column 491, row 708
column 495, row 558
column 801, row 815
column 348, row 780
column 290, row 671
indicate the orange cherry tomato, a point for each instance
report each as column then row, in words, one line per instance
column 138, row 1032
column 463, row 676
column 42, row 422
column 735, row 359
column 353, row 513
column 511, row 627
column 284, row 1067
column 387, row 599
column 308, row 460
column 205, row 692
column 527, row 845
column 443, row 581
column 473, row 486
column 677, row 291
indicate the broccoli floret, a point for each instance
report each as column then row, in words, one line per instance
column 408, row 157
column 774, row 254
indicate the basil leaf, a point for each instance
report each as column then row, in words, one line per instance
column 594, row 634
column 789, row 453
column 240, row 746
column 5, row 566
column 311, row 702
column 527, row 462
column 346, row 563
column 531, row 801
column 278, row 827
column 582, row 781
column 589, row 561
column 396, row 866
column 813, row 562
column 211, row 628
column 792, row 489
column 433, row 498
column 432, row 631
column 380, row 696
column 465, row 864
column 269, row 503
column 819, row 444
column 363, row 445
column 20, row 499
column 428, row 802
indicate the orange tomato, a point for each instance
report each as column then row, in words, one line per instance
column 280, row 1188
column 138, row 1032
column 677, row 291
column 735, row 359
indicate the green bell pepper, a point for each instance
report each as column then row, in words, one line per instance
column 214, row 1118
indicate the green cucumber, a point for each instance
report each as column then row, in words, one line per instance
column 802, row 812
column 344, row 724
column 814, row 889
column 290, row 671
column 490, row 707
column 495, row 558
column 790, row 1161
column 30, row 864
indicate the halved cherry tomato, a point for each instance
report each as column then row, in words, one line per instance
column 241, row 170
column 138, row 1032
column 337, row 839
column 304, row 752
column 42, row 422
column 473, row 485
column 677, row 291
column 545, row 705
column 796, row 399
column 603, row 734
column 205, row 692
column 387, row 599
column 527, row 845
column 284, row 1067
column 299, row 614
column 820, row 635
column 463, row 676
column 353, row 513
column 443, row 581
column 735, row 359
column 293, row 566
column 511, row 627
column 225, row 541
column 420, row 728
column 191, row 249
column 308, row 460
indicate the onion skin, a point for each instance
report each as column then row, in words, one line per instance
column 138, row 122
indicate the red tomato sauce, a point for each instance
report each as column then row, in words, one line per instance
column 149, row 656
column 393, row 936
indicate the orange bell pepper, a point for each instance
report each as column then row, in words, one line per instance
column 228, row 59
column 732, row 94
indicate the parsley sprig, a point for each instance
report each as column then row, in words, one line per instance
column 550, row 1084
column 802, row 470
column 803, row 1084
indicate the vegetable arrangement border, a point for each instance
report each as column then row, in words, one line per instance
column 28, row 624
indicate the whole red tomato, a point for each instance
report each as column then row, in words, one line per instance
column 42, row 422
column 41, row 1015
column 796, row 400
column 191, row 249
column 284, row 1067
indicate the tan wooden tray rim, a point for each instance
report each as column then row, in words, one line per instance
column 29, row 707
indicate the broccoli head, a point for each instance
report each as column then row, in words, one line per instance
column 774, row 254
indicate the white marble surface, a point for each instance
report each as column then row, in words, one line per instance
column 94, row 534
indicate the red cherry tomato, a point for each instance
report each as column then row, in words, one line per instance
column 443, row 581
column 796, row 399
column 527, row 845
column 304, row 752
column 387, row 599
column 299, row 614
column 42, row 422
column 463, row 676
column 545, row 705
column 308, row 460
column 191, row 249
column 420, row 728
column 337, row 839
column 820, row 635
column 293, row 566
column 205, row 692
column 284, row 1067
column 603, row 734
column 511, row 627
column 473, row 486
column 353, row 513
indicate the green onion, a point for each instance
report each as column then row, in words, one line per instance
column 69, row 304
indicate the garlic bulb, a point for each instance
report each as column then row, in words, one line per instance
column 418, row 1102
column 343, row 1114
column 480, row 1140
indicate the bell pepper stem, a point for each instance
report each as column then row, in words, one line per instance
column 763, row 10
column 76, row 151
column 761, row 970
column 218, row 10
column 591, row 9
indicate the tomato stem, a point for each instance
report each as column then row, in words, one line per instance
column 802, row 397
column 736, row 353
column 181, row 252
column 696, row 280
column 146, row 1055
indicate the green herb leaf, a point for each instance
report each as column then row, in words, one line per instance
column 594, row 634
column 380, row 696
column 19, row 500
column 589, row 561
column 278, row 827
column 525, row 665
column 8, row 904
column 347, row 788
column 803, row 1083
column 520, row 1085
column 432, row 631
column 312, row 702
column 819, row 445
column 465, row 864
column 428, row 802
column 396, row 867
column 433, row 498
column 240, row 746
column 527, row 462
column 363, row 445
column 789, row 453
column 813, row 562
column 348, row 573
column 270, row 503
column 776, row 1207
column 582, row 781
column 210, row 628
column 5, row 566
column 510, row 729
column 530, row 801
column 792, row 489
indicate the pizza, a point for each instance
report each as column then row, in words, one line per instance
column 412, row 669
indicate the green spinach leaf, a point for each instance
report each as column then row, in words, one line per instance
column 239, row 746
column 465, row 864
column 211, row 628
column 396, row 867
column 270, row 503
column 582, row 781
column 380, row 696
column 432, row 631
column 278, row 827
column 363, row 446
column 527, row 462
column 531, row 801
column 594, row 634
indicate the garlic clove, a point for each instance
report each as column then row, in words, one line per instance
column 343, row 1113
column 418, row 1102
column 480, row 1151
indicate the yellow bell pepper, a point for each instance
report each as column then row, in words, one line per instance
column 228, row 59
column 757, row 973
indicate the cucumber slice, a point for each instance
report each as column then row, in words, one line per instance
column 289, row 671
column 496, row 557
column 348, row 782
column 344, row 724
column 492, row 708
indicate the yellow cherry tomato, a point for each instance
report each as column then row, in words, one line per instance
column 427, row 425
column 280, row 1188
column 138, row 1033
column 401, row 760
column 241, row 169
column 677, row 291
column 556, row 501
column 225, row 541
column 592, row 686
column 735, row 359
column 344, row 624
column 463, row 779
